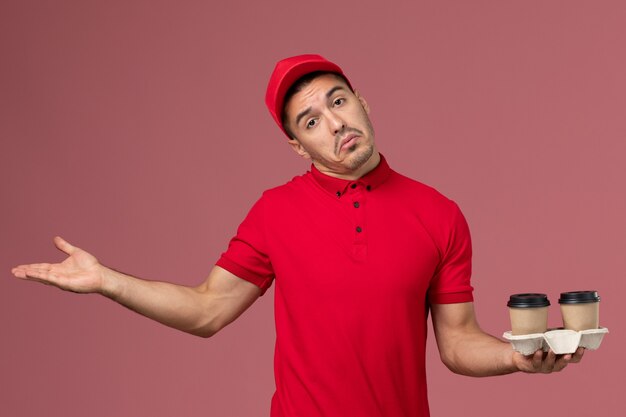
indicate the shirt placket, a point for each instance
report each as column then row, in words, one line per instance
column 357, row 198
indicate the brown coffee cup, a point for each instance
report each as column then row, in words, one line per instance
column 580, row 310
column 529, row 313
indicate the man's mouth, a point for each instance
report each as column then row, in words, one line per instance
column 347, row 142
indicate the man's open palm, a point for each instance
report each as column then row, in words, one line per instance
column 80, row 272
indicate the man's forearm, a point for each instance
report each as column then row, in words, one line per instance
column 183, row 308
column 479, row 354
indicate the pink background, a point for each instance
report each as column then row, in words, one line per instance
column 137, row 131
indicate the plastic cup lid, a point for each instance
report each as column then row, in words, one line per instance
column 528, row 300
column 579, row 297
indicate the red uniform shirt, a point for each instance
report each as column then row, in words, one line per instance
column 356, row 265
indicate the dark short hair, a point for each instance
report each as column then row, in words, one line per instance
column 297, row 86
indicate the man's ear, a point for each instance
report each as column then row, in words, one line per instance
column 366, row 106
column 298, row 148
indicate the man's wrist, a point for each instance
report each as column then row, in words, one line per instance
column 508, row 361
column 111, row 284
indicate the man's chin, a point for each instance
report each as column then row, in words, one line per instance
column 359, row 156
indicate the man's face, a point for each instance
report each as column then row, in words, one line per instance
column 331, row 127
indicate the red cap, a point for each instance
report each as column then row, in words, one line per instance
column 287, row 72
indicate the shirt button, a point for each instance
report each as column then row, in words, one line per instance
column 353, row 186
column 356, row 204
column 368, row 188
column 338, row 193
column 358, row 229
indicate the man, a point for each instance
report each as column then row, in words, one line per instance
column 359, row 254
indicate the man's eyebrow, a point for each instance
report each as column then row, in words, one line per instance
column 302, row 114
column 332, row 90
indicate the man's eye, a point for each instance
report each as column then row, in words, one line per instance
column 338, row 101
column 310, row 123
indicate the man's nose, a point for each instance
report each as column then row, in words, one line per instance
column 335, row 123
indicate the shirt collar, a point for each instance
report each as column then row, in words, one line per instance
column 338, row 186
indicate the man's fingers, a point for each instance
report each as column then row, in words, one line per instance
column 36, row 274
column 549, row 362
column 18, row 272
column 578, row 355
column 537, row 360
column 34, row 266
column 22, row 271
column 561, row 363
column 43, row 274
column 63, row 245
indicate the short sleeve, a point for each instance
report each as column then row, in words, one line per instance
column 247, row 254
column 451, row 283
